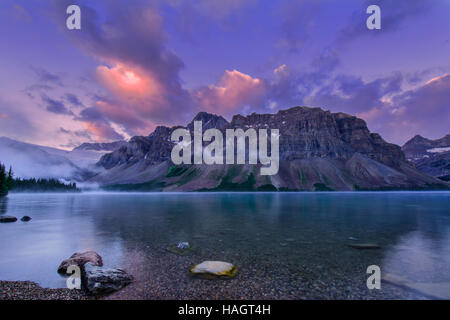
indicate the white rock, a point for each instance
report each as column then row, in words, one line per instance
column 216, row 268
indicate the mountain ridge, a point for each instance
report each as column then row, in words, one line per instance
column 319, row 150
column 430, row 156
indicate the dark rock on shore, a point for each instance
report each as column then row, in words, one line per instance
column 6, row 219
column 99, row 281
column 80, row 259
column 25, row 218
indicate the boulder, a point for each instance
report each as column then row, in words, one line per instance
column 5, row 219
column 214, row 269
column 80, row 259
column 99, row 281
column 25, row 218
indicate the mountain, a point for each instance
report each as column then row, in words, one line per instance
column 420, row 147
column 99, row 146
column 33, row 161
column 430, row 156
column 319, row 150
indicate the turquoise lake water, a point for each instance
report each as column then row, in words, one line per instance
column 304, row 232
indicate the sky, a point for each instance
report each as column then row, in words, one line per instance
column 135, row 65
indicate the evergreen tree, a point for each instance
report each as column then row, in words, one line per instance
column 3, row 186
column 10, row 179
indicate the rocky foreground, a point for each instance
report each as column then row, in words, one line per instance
column 26, row 290
column 167, row 278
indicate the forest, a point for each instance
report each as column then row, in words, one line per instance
column 9, row 183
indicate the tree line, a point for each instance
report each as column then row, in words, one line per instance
column 9, row 183
column 6, row 180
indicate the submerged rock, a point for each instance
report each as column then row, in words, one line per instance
column 183, row 245
column 98, row 281
column 6, row 219
column 25, row 218
column 217, row 269
column 181, row 248
column 364, row 246
column 80, row 259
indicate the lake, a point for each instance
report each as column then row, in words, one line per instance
column 285, row 245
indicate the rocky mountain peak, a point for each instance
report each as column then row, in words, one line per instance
column 209, row 121
column 419, row 147
column 417, row 139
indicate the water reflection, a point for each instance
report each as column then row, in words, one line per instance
column 415, row 257
column 3, row 205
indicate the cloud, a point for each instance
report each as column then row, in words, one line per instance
column 46, row 77
column 298, row 20
column 13, row 118
column 389, row 109
column 140, row 75
column 55, row 106
column 234, row 91
column 426, row 109
column 97, row 125
column 353, row 95
column 77, row 133
column 393, row 14
column 135, row 66
column 192, row 19
column 73, row 100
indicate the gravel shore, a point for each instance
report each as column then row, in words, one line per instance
column 26, row 290
column 164, row 275
column 159, row 274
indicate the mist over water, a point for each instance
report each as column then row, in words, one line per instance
column 275, row 234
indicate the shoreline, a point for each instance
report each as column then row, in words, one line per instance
column 28, row 290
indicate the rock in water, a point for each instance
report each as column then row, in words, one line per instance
column 183, row 245
column 364, row 246
column 181, row 248
column 25, row 218
column 80, row 259
column 98, row 281
column 214, row 269
column 5, row 219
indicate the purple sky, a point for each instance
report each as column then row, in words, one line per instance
column 138, row 64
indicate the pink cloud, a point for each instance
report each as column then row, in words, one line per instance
column 129, row 82
column 102, row 131
column 234, row 91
